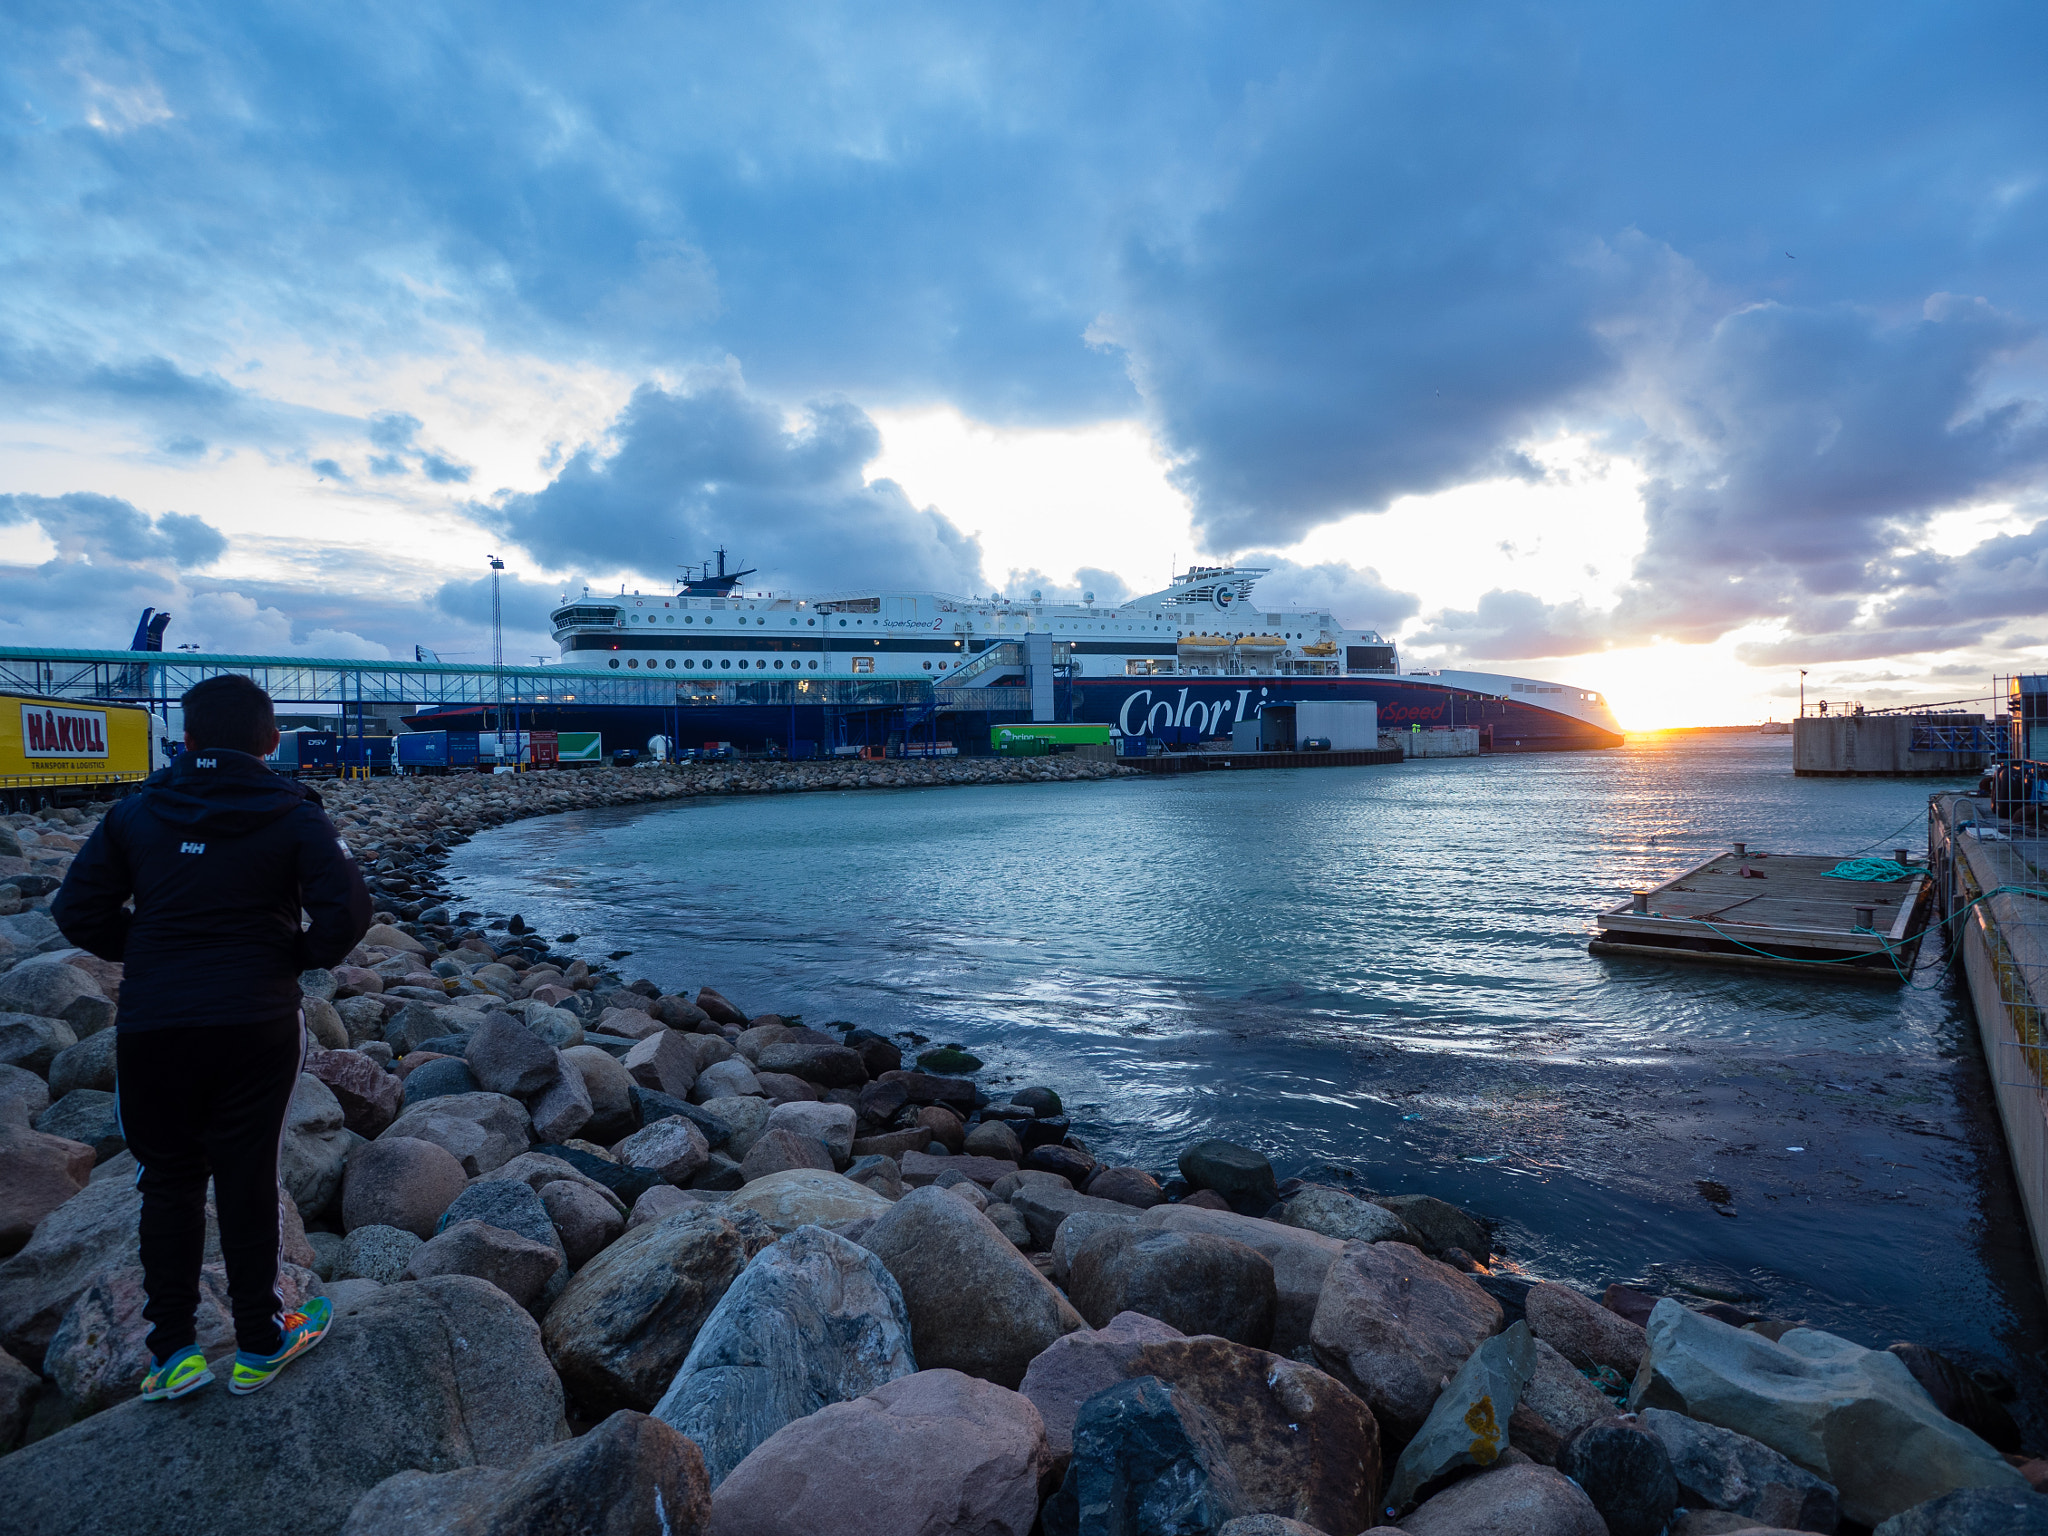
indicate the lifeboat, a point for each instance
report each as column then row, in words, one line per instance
column 1320, row 648
column 1204, row 642
column 1262, row 643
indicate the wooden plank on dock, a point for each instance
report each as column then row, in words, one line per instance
column 1781, row 908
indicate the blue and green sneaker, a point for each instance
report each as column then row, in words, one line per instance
column 186, row 1371
column 302, row 1330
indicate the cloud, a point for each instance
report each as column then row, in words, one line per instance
column 107, row 530
column 1515, row 626
column 1107, row 587
column 708, row 464
column 1355, row 596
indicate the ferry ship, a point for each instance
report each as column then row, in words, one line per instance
column 1183, row 664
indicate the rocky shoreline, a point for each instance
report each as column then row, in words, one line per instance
column 617, row 1256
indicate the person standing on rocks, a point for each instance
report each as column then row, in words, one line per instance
column 220, row 857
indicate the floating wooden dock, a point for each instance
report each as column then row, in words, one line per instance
column 1774, row 912
column 1211, row 762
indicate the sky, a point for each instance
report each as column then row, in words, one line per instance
column 1661, row 350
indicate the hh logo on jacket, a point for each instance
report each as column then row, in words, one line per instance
column 191, row 847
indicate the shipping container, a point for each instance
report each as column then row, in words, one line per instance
column 546, row 749
column 579, row 749
column 366, row 752
column 437, row 751
column 306, row 754
column 54, row 752
column 1037, row 740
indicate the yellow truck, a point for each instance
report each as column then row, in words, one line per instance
column 57, row 752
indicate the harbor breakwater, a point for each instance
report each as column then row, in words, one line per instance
column 728, row 1266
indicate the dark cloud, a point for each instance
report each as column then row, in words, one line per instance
column 712, row 465
column 1355, row 596
column 1515, row 626
column 1108, row 588
column 107, row 530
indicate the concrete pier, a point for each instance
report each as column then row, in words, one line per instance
column 2004, row 961
column 1887, row 746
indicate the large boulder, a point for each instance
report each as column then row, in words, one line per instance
column 19, row 1388
column 1626, row 1472
column 808, row 1197
column 609, row 1087
column 373, row 1253
column 38, row 1173
column 1301, row 1262
column 88, row 1115
column 45, row 987
column 88, row 1064
column 724, row 1079
column 1717, row 1468
column 1583, row 1331
column 537, row 1170
column 974, row 1302
column 1953, row 1389
column 932, row 1452
column 513, row 1206
column 368, row 1095
column 1853, row 1416
column 829, row 1066
column 516, row 1265
column 625, row 1322
column 1973, row 1512
column 630, row 1476
column 1240, row 1175
column 506, row 1057
column 1332, row 1212
column 1519, row 1499
column 585, row 1222
column 1075, row 1231
column 778, row 1150
column 23, row 1096
column 813, row 1320
column 482, row 1131
column 831, row 1125
column 1076, row 1366
column 1561, row 1400
column 94, row 1228
column 1468, row 1424
column 744, row 1120
column 1049, row 1200
column 563, row 1109
column 1440, row 1225
column 1393, row 1325
column 32, row 1042
column 397, row 1181
column 1194, row 1281
column 1147, row 1461
column 442, row 1374
column 1301, row 1445
column 315, row 1147
column 672, row 1150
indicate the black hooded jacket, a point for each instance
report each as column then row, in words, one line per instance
column 220, row 855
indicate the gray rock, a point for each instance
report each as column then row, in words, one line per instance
column 482, row 1131
column 1441, row 1225
column 1583, row 1331
column 88, row 1064
column 1717, row 1468
column 671, row 1149
column 724, row 1079
column 536, row 1170
column 564, row 1108
column 416, row 1023
column 993, row 1138
column 1468, row 1424
column 584, row 1223
column 506, row 1057
column 397, row 1181
column 1076, row 1230
column 813, row 1320
column 373, row 1253
column 1078, row 1365
column 1853, row 1416
column 1972, row 1512
column 623, row 1326
column 320, row 983
column 1045, row 1206
column 324, row 1026
column 326, row 1245
column 32, row 1042
column 516, row 1265
column 19, row 1387
column 438, row 1079
column 1193, row 1281
column 514, row 1207
column 1266, row 1525
column 1347, row 1218
column 1562, row 1398
column 829, row 1066
column 49, row 988
column 831, row 1125
column 884, row 1175
column 777, row 1150
column 1515, row 1498
column 744, row 1119
column 1147, row 1462
column 662, row 1202
column 23, row 1096
column 975, row 1304
column 1240, row 1175
column 315, row 1148
column 610, row 1090
column 664, row 1062
column 1301, row 1261
column 363, row 1018
column 1625, row 1471
column 630, row 1476
column 88, row 1115
column 442, row 1374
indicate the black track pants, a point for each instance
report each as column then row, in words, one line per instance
column 198, row 1103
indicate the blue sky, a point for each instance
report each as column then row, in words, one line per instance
column 1624, row 344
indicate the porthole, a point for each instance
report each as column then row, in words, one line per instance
column 814, row 666
column 691, row 618
column 671, row 666
column 842, row 623
column 689, row 666
column 778, row 666
column 632, row 662
column 722, row 664
column 743, row 666
column 806, row 621
column 927, row 666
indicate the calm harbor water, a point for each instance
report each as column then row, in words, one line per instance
column 1381, row 974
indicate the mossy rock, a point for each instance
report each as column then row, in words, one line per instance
column 949, row 1058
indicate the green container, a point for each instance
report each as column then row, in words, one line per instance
column 1037, row 740
column 579, row 747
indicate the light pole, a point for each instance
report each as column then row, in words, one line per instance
column 497, row 657
column 1802, row 693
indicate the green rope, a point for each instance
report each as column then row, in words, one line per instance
column 1871, row 869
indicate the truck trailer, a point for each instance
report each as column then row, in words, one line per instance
column 58, row 752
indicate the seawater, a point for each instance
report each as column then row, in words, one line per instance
column 1379, row 976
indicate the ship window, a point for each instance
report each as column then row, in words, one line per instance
column 725, row 664
column 810, row 621
column 615, row 662
column 632, row 663
column 671, row 666
column 691, row 618
column 743, row 666
column 927, row 666
column 688, row 665
column 671, row 618
column 842, row 623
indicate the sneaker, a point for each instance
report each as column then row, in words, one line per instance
column 186, row 1371
column 302, row 1330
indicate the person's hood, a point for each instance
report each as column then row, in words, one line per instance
column 221, row 792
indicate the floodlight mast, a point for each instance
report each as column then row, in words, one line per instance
column 497, row 648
